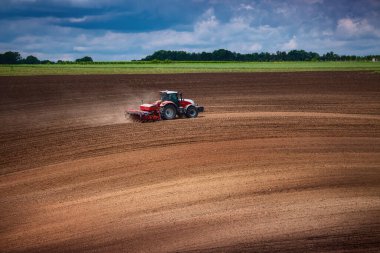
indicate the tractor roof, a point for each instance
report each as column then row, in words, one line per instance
column 169, row 91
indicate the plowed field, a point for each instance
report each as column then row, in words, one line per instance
column 285, row 162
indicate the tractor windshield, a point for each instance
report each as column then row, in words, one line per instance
column 169, row 97
column 164, row 96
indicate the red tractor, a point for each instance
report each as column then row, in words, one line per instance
column 168, row 107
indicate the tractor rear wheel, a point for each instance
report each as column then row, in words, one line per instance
column 191, row 112
column 168, row 112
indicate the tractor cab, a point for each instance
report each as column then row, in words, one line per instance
column 173, row 96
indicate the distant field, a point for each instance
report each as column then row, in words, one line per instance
column 183, row 67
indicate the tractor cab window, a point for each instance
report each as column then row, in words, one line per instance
column 170, row 97
column 164, row 96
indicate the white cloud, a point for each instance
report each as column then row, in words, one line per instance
column 80, row 49
column 255, row 47
column 327, row 33
column 246, row 7
column 78, row 20
column 348, row 27
column 290, row 45
column 207, row 23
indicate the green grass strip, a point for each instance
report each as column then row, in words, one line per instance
column 183, row 67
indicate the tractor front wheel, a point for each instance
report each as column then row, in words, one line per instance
column 191, row 112
column 168, row 112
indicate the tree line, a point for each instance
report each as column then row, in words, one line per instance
column 217, row 55
column 15, row 58
column 225, row 55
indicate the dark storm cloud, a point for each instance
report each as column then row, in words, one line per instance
column 110, row 15
column 116, row 29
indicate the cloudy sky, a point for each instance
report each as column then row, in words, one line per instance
column 132, row 29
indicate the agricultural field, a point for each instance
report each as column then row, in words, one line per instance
column 286, row 162
column 182, row 67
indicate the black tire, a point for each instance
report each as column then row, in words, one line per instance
column 191, row 112
column 168, row 112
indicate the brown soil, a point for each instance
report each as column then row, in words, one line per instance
column 285, row 162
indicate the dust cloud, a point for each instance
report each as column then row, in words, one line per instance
column 113, row 111
column 87, row 110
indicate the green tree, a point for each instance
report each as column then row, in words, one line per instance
column 47, row 62
column 31, row 60
column 330, row 56
column 10, row 58
column 223, row 55
column 84, row 59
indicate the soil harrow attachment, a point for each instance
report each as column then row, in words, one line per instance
column 143, row 116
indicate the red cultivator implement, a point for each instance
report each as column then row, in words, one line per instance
column 143, row 116
column 170, row 105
